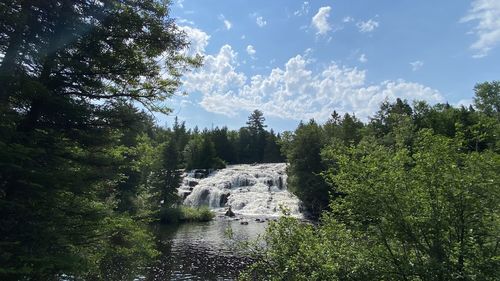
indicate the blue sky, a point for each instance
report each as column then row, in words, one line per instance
column 297, row 60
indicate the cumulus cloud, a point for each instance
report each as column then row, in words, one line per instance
column 416, row 65
column 363, row 58
column 198, row 40
column 217, row 76
column 320, row 20
column 486, row 14
column 251, row 50
column 296, row 91
column 261, row 22
column 367, row 26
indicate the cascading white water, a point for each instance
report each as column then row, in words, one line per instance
column 252, row 190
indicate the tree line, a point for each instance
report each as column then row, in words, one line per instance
column 217, row 147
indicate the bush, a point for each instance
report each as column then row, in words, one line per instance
column 170, row 215
column 175, row 215
column 200, row 214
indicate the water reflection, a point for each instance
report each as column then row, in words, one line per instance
column 202, row 251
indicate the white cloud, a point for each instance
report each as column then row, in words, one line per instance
column 243, row 37
column 217, row 76
column 184, row 21
column 347, row 19
column 180, row 3
column 295, row 91
column 320, row 20
column 261, row 22
column 198, row 40
column 367, row 26
column 227, row 24
column 251, row 50
column 363, row 58
column 487, row 15
column 304, row 9
column 416, row 65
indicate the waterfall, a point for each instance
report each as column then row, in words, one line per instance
column 258, row 189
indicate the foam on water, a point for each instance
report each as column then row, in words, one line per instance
column 253, row 190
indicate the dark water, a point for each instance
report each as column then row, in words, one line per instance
column 202, row 251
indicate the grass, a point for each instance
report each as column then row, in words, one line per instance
column 186, row 214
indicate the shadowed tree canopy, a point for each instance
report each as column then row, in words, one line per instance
column 71, row 141
column 86, row 50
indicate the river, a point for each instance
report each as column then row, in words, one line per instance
column 203, row 251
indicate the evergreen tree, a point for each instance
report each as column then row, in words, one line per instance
column 224, row 148
column 255, row 125
column 62, row 152
column 168, row 177
column 245, row 146
column 304, row 178
column 272, row 150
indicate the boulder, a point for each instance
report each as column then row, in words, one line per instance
column 223, row 199
column 230, row 213
column 204, row 197
column 185, row 194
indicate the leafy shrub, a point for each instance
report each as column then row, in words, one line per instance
column 180, row 214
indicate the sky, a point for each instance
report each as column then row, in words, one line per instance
column 297, row 60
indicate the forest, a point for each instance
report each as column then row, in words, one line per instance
column 413, row 194
column 410, row 194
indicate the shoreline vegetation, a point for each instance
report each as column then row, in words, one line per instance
column 185, row 214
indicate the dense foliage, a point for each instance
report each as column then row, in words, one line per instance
column 75, row 154
column 82, row 169
column 414, row 195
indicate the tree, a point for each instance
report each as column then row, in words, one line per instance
column 304, row 178
column 244, row 147
column 272, row 150
column 224, row 146
column 389, row 116
column 255, row 125
column 62, row 152
column 168, row 177
column 427, row 214
column 200, row 153
column 487, row 98
column 256, row 121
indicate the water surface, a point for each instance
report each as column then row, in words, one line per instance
column 203, row 251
